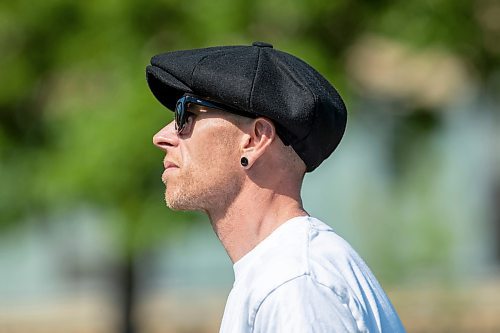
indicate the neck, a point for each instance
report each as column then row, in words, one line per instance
column 252, row 216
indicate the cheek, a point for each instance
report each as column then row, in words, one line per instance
column 220, row 149
column 217, row 158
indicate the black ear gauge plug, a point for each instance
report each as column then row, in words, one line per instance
column 244, row 161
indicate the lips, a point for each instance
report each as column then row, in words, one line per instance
column 169, row 167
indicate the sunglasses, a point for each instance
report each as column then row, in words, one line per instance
column 182, row 114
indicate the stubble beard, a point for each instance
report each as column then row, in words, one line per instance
column 204, row 192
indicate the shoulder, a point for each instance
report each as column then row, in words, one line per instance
column 335, row 265
column 305, row 305
column 309, row 279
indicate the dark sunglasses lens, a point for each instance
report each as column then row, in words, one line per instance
column 180, row 117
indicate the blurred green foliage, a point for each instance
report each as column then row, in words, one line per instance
column 76, row 116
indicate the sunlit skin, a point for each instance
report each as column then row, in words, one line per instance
column 203, row 172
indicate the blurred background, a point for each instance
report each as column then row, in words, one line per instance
column 86, row 242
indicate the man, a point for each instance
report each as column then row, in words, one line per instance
column 250, row 121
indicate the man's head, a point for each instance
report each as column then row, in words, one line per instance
column 252, row 102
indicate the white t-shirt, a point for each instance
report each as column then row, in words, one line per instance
column 305, row 278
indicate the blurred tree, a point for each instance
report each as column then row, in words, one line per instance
column 76, row 123
column 75, row 112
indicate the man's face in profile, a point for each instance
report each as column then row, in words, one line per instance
column 202, row 162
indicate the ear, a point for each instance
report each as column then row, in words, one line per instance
column 261, row 133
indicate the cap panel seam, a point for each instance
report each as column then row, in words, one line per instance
column 195, row 67
column 250, row 106
column 308, row 162
column 315, row 117
column 315, row 114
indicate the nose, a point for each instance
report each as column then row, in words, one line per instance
column 166, row 137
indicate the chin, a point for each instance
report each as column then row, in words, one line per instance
column 180, row 202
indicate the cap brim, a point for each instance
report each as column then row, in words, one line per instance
column 165, row 87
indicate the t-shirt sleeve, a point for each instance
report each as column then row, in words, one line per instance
column 302, row 305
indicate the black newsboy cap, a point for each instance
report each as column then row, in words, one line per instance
column 261, row 80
